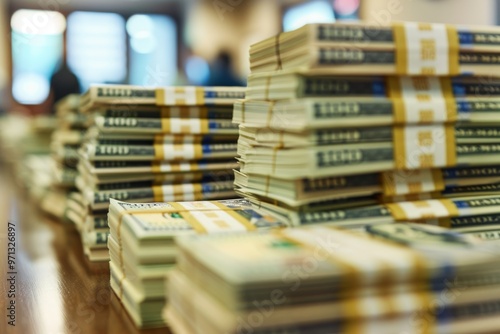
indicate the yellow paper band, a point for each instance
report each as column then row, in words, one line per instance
column 422, row 100
column 419, row 49
column 422, row 210
column 418, row 147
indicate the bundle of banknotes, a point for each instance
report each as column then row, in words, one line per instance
column 339, row 116
column 145, row 144
column 391, row 278
column 143, row 252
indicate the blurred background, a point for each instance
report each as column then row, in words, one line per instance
column 49, row 48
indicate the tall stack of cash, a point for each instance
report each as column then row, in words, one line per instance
column 340, row 116
column 142, row 249
column 396, row 278
column 153, row 144
column 66, row 140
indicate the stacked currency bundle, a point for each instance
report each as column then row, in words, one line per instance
column 142, row 249
column 65, row 142
column 398, row 278
column 153, row 144
column 341, row 116
column 67, row 138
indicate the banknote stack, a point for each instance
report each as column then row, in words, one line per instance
column 339, row 116
column 396, row 278
column 67, row 138
column 25, row 147
column 153, row 144
column 142, row 249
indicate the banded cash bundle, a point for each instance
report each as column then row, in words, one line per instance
column 398, row 278
column 459, row 181
column 143, row 252
column 467, row 214
column 326, row 135
column 401, row 48
column 154, row 144
column 66, row 140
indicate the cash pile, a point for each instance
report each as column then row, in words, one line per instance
column 25, row 147
column 142, row 249
column 341, row 116
column 63, row 200
column 398, row 278
column 153, row 144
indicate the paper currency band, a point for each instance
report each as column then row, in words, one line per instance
column 426, row 49
column 277, row 52
column 269, row 117
column 160, row 139
column 421, row 210
column 407, row 182
column 267, row 87
column 160, row 167
column 188, row 126
column 422, row 100
column 178, row 191
column 178, row 152
column 428, row 146
column 180, row 96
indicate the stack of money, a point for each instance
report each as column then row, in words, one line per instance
column 25, row 147
column 66, row 140
column 341, row 116
column 142, row 250
column 153, row 144
column 397, row 278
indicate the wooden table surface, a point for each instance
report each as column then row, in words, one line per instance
column 57, row 290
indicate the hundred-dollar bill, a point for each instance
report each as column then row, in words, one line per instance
column 116, row 168
column 491, row 234
column 432, row 211
column 349, row 159
column 292, row 84
column 323, row 112
column 96, row 239
column 65, row 176
column 129, row 96
column 461, row 181
column 464, row 134
column 157, row 152
column 166, row 192
column 110, row 182
column 66, row 156
column 179, row 126
column 402, row 48
column 108, row 95
column 164, row 139
column 94, row 135
column 138, row 111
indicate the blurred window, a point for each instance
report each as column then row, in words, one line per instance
column 309, row 12
column 96, row 47
column 37, row 43
column 153, row 50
